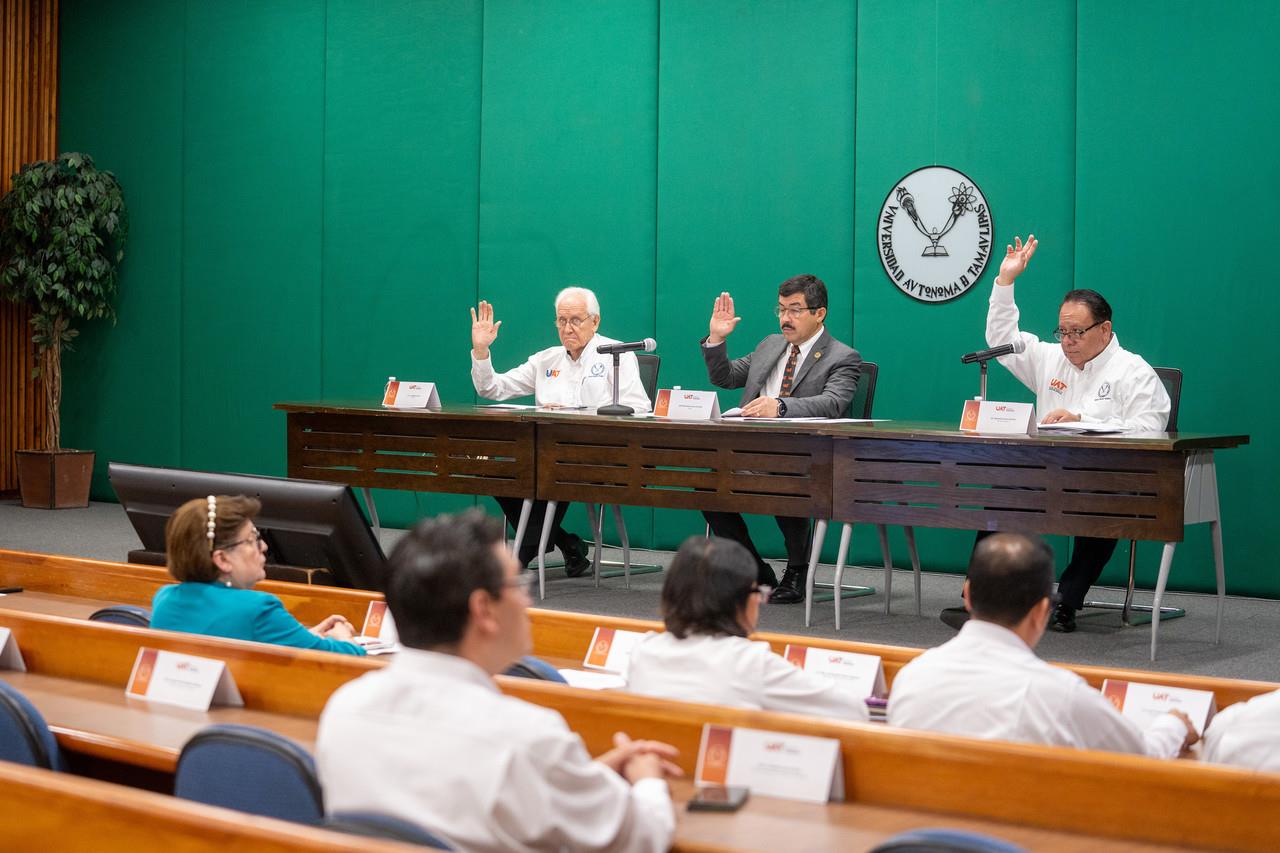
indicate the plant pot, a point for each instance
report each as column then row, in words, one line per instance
column 55, row 479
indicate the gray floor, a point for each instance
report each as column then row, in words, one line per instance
column 1250, row 640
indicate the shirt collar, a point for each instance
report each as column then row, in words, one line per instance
column 1100, row 360
column 989, row 632
column 806, row 345
column 420, row 662
column 589, row 347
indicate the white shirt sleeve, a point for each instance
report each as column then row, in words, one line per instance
column 1146, row 404
column 789, row 688
column 518, row 382
column 1002, row 328
column 1100, row 726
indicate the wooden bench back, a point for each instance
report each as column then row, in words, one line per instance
column 556, row 634
column 1047, row 787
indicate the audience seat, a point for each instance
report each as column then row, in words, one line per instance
column 945, row 841
column 24, row 736
column 123, row 614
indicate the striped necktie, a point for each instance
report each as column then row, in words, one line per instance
column 789, row 374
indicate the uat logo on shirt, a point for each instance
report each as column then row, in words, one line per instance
column 552, row 374
column 1057, row 385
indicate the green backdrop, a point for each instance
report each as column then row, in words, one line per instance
column 319, row 190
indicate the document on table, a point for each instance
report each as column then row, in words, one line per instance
column 1088, row 427
column 736, row 412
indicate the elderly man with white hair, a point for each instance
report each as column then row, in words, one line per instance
column 573, row 375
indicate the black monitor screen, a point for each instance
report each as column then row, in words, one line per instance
column 306, row 523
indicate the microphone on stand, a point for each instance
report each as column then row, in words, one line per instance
column 616, row 350
column 1015, row 347
column 647, row 345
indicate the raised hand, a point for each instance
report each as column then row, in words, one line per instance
column 483, row 330
column 1016, row 258
column 723, row 320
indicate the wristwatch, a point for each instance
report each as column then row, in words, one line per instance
column 782, row 408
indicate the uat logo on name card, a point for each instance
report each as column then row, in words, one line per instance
column 933, row 235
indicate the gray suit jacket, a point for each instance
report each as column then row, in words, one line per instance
column 823, row 386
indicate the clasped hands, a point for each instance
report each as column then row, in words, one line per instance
column 641, row 759
column 335, row 627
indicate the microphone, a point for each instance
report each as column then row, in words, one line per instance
column 1016, row 347
column 647, row 345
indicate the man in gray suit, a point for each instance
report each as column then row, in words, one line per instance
column 801, row 373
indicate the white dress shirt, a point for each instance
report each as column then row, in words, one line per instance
column 737, row 672
column 555, row 379
column 773, row 385
column 430, row 739
column 1246, row 734
column 987, row 683
column 1117, row 387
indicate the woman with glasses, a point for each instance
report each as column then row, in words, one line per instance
column 710, row 605
column 213, row 549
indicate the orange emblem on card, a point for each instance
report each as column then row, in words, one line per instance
column 663, row 404
column 796, row 655
column 142, row 675
column 715, row 758
column 969, row 418
column 600, row 648
column 1115, row 691
column 389, row 398
column 374, row 618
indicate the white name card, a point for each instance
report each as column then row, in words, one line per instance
column 989, row 416
column 1143, row 703
column 378, row 635
column 183, row 680
column 10, row 656
column 411, row 395
column 681, row 405
column 793, row 767
column 611, row 650
column 863, row 673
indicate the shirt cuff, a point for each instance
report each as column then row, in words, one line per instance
column 1165, row 736
column 1002, row 293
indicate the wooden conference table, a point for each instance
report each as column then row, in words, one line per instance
column 890, row 472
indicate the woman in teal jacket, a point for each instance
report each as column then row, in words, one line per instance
column 214, row 550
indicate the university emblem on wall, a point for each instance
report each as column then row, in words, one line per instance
column 933, row 235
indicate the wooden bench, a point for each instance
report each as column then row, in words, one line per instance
column 559, row 637
column 1047, row 788
column 58, row 811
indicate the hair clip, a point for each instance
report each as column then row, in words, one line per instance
column 213, row 516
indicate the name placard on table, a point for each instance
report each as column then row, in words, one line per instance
column 610, row 650
column 378, row 635
column 1143, row 703
column 774, row 764
column 183, row 680
column 863, row 673
column 991, row 417
column 10, row 656
column 680, row 405
column 410, row 395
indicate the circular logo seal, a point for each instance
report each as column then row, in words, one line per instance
column 934, row 234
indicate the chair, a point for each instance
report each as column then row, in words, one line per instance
column 1201, row 506
column 24, row 736
column 373, row 825
column 123, row 614
column 251, row 770
column 531, row 667
column 944, row 841
column 861, row 407
column 649, row 365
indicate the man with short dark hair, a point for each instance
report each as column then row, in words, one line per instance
column 1088, row 376
column 988, row 682
column 430, row 738
column 802, row 372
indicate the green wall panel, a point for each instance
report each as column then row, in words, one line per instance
column 401, row 154
column 1177, row 215
column 755, row 179
column 567, row 174
column 251, row 238
column 121, row 102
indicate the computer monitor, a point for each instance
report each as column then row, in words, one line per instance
column 306, row 523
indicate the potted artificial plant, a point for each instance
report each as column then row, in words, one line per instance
column 62, row 233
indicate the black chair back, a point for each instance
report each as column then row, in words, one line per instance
column 24, row 736
column 865, row 396
column 251, row 770
column 1172, row 379
column 123, row 614
column 649, row 364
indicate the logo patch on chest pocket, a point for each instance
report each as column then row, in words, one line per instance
column 1104, row 391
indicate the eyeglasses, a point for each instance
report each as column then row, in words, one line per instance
column 256, row 539
column 1074, row 334
column 571, row 322
column 523, row 582
column 793, row 312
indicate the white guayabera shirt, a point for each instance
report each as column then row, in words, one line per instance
column 557, row 380
column 1246, row 734
column 987, row 683
column 1117, row 387
column 430, row 739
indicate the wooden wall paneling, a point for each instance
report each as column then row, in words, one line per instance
column 28, row 131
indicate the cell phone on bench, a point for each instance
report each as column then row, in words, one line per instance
column 718, row 798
